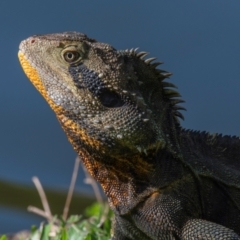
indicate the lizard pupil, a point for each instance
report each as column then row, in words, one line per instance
column 71, row 56
column 110, row 99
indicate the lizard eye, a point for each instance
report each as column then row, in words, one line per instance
column 71, row 56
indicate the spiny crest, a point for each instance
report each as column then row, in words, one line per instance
column 169, row 89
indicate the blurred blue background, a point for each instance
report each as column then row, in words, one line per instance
column 197, row 40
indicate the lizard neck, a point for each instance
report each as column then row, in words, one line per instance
column 127, row 176
column 124, row 176
column 125, row 181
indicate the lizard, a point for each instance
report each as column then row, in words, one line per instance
column 122, row 117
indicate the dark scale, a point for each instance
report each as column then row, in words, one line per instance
column 90, row 80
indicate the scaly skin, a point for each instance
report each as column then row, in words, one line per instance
column 162, row 181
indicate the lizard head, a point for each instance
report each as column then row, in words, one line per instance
column 101, row 96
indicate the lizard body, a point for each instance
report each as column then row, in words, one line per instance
column 121, row 116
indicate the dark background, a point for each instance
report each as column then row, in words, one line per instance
column 199, row 41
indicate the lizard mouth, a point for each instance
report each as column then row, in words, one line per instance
column 24, row 45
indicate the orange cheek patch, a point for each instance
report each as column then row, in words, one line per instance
column 71, row 127
column 32, row 74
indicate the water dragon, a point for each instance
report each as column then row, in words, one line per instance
column 122, row 118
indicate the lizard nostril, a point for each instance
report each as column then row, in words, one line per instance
column 33, row 40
